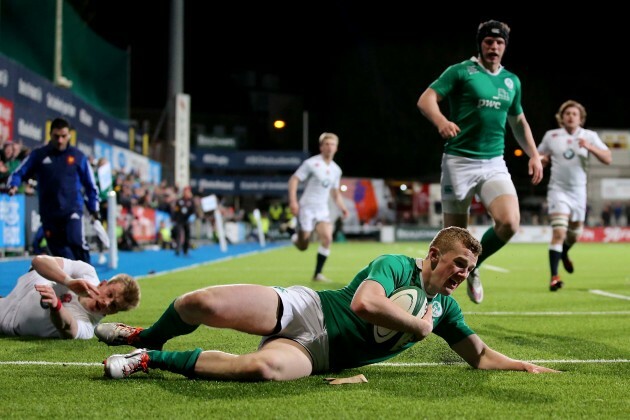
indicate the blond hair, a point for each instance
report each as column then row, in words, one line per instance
column 130, row 293
column 571, row 104
column 325, row 136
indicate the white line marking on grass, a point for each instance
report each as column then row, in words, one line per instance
column 612, row 295
column 495, row 268
column 385, row 364
column 548, row 313
column 34, row 362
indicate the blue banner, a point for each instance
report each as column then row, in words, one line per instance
column 12, row 221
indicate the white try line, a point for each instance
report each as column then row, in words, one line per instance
column 385, row 364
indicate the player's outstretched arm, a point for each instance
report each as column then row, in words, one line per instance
column 478, row 355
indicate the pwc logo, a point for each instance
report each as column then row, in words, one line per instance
column 488, row 103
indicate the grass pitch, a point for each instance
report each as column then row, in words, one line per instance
column 583, row 330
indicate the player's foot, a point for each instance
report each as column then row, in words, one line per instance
column 119, row 366
column 567, row 263
column 555, row 283
column 117, row 334
column 320, row 278
column 474, row 287
column 102, row 259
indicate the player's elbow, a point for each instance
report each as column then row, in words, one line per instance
column 361, row 307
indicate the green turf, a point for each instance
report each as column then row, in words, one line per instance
column 584, row 334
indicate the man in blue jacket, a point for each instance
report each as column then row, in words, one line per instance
column 65, row 182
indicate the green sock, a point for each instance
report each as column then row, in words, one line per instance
column 490, row 243
column 182, row 362
column 168, row 326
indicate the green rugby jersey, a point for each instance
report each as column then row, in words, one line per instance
column 479, row 103
column 351, row 339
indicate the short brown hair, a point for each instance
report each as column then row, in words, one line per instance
column 447, row 239
column 571, row 104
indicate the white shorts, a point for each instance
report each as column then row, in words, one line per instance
column 303, row 322
column 571, row 202
column 310, row 216
column 462, row 178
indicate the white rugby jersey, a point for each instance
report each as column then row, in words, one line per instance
column 569, row 161
column 21, row 313
column 319, row 178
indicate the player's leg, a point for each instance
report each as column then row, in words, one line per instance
column 253, row 309
column 499, row 197
column 573, row 234
column 279, row 359
column 324, row 231
column 458, row 184
column 305, row 225
column 559, row 224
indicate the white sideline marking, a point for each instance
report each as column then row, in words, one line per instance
column 17, row 362
column 530, row 361
column 386, row 364
column 612, row 295
column 549, row 313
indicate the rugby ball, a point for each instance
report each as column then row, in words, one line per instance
column 413, row 300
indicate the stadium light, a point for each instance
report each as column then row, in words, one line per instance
column 279, row 124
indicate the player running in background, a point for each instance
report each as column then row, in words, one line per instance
column 482, row 95
column 567, row 149
column 322, row 177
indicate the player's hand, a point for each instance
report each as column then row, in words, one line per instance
column 535, row 170
column 83, row 288
column 48, row 296
column 532, row 368
column 448, row 130
column 12, row 190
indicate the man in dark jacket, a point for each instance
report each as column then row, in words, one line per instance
column 64, row 177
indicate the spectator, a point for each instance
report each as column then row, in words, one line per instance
column 64, row 180
column 184, row 209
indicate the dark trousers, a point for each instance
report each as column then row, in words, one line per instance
column 65, row 238
column 181, row 235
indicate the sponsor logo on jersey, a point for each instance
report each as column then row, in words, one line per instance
column 489, row 103
column 569, row 154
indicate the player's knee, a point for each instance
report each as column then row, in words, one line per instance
column 261, row 368
column 197, row 304
column 506, row 227
column 574, row 233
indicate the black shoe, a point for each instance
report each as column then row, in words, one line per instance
column 555, row 283
column 567, row 263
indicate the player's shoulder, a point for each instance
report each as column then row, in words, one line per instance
column 465, row 66
column 507, row 74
